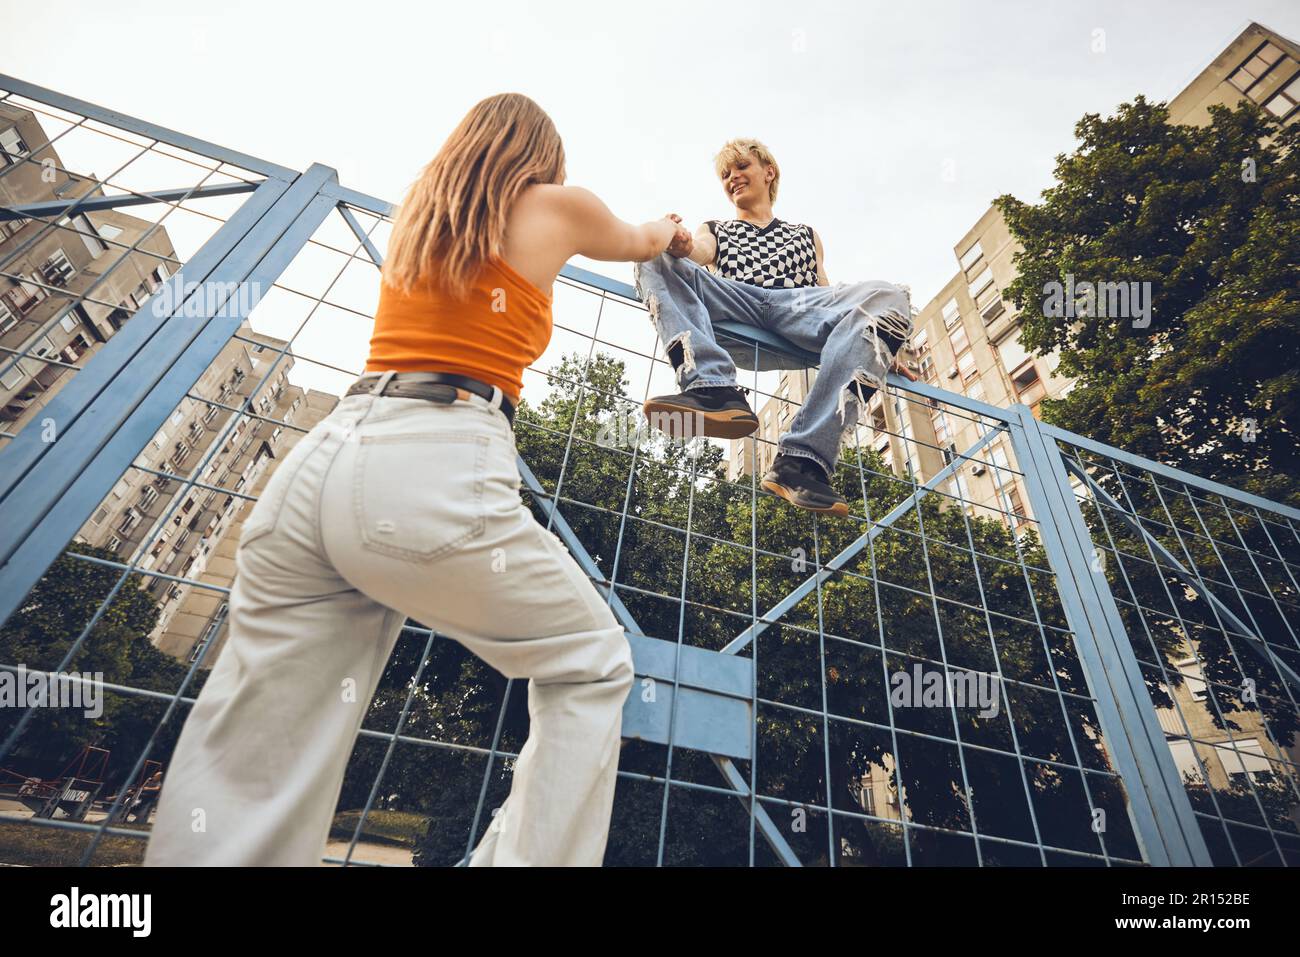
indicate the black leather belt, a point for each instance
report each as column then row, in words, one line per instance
column 444, row 387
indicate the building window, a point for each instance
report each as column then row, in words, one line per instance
column 99, row 517
column 46, row 348
column 89, row 238
column 971, row 257
column 148, row 495
column 960, row 490
column 921, row 343
column 999, row 457
column 966, row 367
column 950, row 313
column 1029, row 387
column 129, row 521
column 960, row 341
column 12, row 146
column 941, row 431
column 1256, row 65
column 7, row 318
column 1245, row 756
column 108, row 231
column 992, row 309
column 1017, row 507
column 57, row 270
column 981, row 282
column 1284, row 103
column 13, row 378
column 24, row 296
column 114, row 543
column 1191, row 673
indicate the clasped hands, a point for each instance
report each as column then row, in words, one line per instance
column 683, row 243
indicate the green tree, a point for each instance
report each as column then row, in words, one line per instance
column 42, row 631
column 884, row 592
column 1210, row 217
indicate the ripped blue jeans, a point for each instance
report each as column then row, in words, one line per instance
column 836, row 322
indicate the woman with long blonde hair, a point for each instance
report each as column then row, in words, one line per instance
column 404, row 503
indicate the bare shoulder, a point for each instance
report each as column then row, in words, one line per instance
column 555, row 198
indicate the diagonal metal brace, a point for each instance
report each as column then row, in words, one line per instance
column 1192, row 581
column 93, row 203
column 763, row 821
column 839, row 561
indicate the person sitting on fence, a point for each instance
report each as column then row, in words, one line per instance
column 769, row 273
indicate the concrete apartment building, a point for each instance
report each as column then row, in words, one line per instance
column 968, row 342
column 104, row 265
column 967, row 337
column 129, row 517
column 89, row 263
column 195, row 616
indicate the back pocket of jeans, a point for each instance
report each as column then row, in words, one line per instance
column 419, row 496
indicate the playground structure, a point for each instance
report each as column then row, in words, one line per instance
column 74, row 793
column 1187, row 794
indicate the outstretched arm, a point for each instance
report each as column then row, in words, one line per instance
column 596, row 232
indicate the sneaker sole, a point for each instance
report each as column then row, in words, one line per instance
column 839, row 508
column 731, row 424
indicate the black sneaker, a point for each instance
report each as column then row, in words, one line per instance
column 801, row 482
column 720, row 412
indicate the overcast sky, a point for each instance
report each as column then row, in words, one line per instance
column 894, row 123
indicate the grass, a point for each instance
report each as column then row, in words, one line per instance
column 33, row 845
column 402, row 828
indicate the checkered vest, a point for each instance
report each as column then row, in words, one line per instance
column 780, row 254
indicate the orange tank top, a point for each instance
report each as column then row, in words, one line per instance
column 502, row 327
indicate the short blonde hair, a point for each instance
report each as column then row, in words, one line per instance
column 738, row 149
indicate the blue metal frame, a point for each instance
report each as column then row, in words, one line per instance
column 121, row 399
column 1158, row 804
column 111, row 409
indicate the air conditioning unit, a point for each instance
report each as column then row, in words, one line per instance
column 978, row 469
column 952, row 372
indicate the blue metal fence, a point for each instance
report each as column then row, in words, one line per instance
column 1135, row 623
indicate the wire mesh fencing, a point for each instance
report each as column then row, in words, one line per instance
column 1020, row 647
